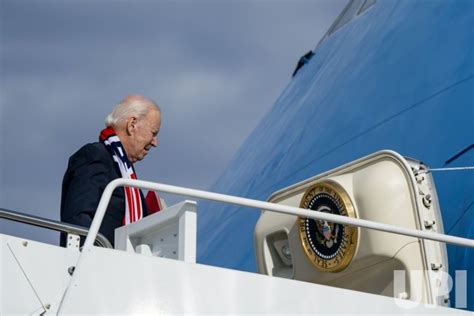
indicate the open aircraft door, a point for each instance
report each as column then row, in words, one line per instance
column 383, row 187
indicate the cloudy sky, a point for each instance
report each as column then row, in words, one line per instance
column 215, row 68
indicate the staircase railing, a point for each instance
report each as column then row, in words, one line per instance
column 104, row 201
column 52, row 225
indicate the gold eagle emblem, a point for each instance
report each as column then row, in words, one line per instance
column 329, row 246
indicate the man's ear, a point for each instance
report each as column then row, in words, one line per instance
column 131, row 125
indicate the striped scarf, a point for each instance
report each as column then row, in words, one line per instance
column 133, row 201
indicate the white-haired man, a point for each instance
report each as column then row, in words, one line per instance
column 131, row 131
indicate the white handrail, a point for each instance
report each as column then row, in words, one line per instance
column 104, row 201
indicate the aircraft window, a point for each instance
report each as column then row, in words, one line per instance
column 348, row 14
column 353, row 9
column 367, row 4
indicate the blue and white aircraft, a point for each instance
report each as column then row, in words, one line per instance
column 395, row 75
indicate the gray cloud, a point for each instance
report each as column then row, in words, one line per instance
column 214, row 67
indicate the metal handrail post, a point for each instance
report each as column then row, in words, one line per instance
column 94, row 229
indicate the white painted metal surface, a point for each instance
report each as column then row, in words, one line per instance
column 33, row 275
column 170, row 233
column 156, row 286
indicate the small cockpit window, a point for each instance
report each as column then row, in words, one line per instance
column 367, row 4
column 347, row 15
column 352, row 10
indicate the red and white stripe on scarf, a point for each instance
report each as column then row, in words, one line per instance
column 133, row 201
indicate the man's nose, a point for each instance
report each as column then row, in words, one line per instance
column 154, row 141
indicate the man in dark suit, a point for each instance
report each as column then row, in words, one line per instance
column 131, row 131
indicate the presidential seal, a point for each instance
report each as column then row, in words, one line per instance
column 329, row 246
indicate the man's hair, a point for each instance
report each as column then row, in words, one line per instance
column 130, row 106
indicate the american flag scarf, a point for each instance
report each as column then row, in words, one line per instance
column 133, row 201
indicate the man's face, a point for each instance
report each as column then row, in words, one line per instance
column 144, row 136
